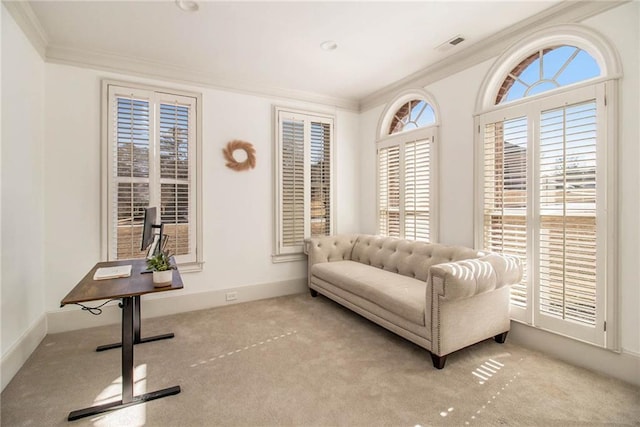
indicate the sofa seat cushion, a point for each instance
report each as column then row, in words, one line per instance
column 401, row 295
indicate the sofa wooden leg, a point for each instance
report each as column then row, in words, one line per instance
column 501, row 338
column 313, row 292
column 438, row 361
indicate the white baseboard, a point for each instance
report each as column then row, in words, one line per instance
column 20, row 351
column 163, row 304
column 624, row 365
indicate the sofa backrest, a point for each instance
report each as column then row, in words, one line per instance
column 406, row 257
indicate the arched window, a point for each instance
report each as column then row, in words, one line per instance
column 406, row 168
column 414, row 114
column 545, row 175
column 547, row 69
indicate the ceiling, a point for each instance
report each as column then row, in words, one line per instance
column 276, row 45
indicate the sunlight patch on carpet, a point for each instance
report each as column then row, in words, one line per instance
column 487, row 370
column 495, row 396
column 245, row 348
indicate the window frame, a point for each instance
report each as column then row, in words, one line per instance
column 296, row 253
column 194, row 260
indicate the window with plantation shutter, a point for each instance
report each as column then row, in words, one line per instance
column 151, row 150
column 304, row 183
column 406, row 172
column 545, row 199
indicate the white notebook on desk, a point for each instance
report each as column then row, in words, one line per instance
column 104, row 273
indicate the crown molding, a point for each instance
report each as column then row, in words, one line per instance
column 490, row 47
column 163, row 71
column 159, row 70
column 28, row 22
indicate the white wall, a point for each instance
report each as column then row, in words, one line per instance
column 237, row 206
column 456, row 96
column 22, row 286
column 620, row 26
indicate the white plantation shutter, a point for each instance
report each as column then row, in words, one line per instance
column 417, row 190
column 320, row 180
column 405, row 171
column 544, row 199
column 505, row 194
column 293, row 183
column 304, row 180
column 567, row 235
column 175, row 196
column 389, row 191
column 131, row 130
column 151, row 140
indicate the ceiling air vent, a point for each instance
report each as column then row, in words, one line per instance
column 450, row 43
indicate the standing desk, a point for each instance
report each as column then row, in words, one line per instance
column 128, row 290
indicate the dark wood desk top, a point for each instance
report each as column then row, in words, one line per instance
column 136, row 284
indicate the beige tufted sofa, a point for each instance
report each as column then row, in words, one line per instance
column 442, row 298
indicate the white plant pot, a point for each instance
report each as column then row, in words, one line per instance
column 162, row 278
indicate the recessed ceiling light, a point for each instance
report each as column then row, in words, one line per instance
column 187, row 5
column 329, row 45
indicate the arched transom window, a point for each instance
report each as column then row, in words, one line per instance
column 414, row 114
column 547, row 69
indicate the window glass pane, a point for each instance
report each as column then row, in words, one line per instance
column 555, row 58
column 530, row 74
column 582, row 67
column 517, row 91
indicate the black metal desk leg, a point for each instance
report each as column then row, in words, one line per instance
column 136, row 319
column 127, row 349
column 137, row 323
column 128, row 399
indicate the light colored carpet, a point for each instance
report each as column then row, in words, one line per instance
column 302, row 361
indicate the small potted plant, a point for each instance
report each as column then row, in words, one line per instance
column 160, row 265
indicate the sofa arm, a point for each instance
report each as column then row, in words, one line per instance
column 330, row 248
column 466, row 278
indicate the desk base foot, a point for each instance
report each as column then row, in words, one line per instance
column 112, row 406
column 141, row 341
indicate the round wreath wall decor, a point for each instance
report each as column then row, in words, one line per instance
column 232, row 163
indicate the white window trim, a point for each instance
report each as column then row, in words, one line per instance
column 280, row 255
column 106, row 176
column 605, row 94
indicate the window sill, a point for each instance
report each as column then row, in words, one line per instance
column 276, row 259
column 191, row 267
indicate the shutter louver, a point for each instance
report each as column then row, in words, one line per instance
column 293, row 182
column 320, row 179
column 568, row 213
column 417, row 190
column 175, row 209
column 505, row 195
column 130, row 174
column 389, row 191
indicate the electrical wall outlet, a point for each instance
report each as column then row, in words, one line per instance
column 231, row 296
